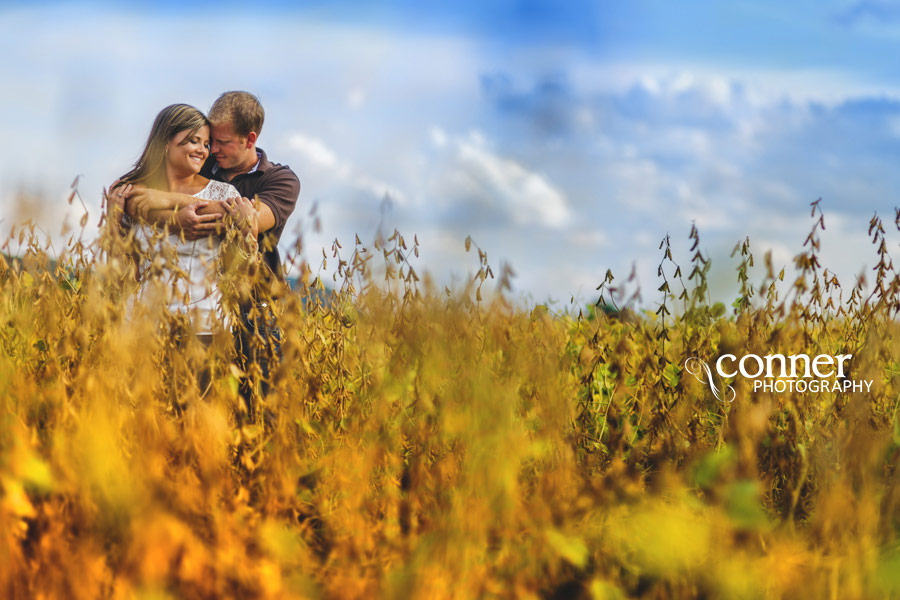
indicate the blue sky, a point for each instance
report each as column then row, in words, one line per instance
column 565, row 138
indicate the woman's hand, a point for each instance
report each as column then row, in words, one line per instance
column 115, row 208
column 115, row 202
column 143, row 200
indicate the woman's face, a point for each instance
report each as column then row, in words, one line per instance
column 186, row 151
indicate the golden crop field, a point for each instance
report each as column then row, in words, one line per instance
column 432, row 443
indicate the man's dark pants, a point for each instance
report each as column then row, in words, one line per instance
column 257, row 342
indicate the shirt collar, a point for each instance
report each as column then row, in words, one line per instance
column 260, row 157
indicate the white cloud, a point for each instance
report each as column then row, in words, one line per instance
column 525, row 196
column 760, row 87
column 314, row 152
column 356, row 98
column 589, row 239
column 379, row 189
column 584, row 117
column 739, row 151
column 438, row 137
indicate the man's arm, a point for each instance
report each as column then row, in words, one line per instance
column 145, row 202
column 195, row 218
column 265, row 217
column 277, row 200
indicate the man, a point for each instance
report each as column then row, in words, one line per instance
column 236, row 120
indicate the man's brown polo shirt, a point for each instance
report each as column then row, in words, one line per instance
column 274, row 185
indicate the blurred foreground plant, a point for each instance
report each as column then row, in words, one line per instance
column 444, row 443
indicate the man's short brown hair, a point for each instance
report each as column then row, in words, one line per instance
column 241, row 109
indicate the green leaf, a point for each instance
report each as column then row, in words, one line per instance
column 672, row 374
column 711, row 466
column 718, row 309
column 887, row 574
column 743, row 505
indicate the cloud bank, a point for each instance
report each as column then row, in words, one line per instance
column 563, row 165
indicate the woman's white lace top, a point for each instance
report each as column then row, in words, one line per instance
column 186, row 269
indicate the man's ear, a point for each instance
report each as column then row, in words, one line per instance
column 251, row 138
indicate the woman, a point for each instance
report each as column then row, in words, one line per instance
column 175, row 151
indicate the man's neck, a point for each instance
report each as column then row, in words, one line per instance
column 243, row 168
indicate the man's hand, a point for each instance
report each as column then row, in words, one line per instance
column 245, row 216
column 197, row 221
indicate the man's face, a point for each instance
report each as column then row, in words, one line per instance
column 229, row 149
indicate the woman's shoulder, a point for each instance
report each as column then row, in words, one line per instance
column 218, row 190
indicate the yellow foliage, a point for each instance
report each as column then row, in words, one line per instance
column 422, row 443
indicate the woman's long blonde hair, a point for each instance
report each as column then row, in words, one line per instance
column 171, row 120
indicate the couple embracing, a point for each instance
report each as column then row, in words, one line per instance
column 202, row 180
